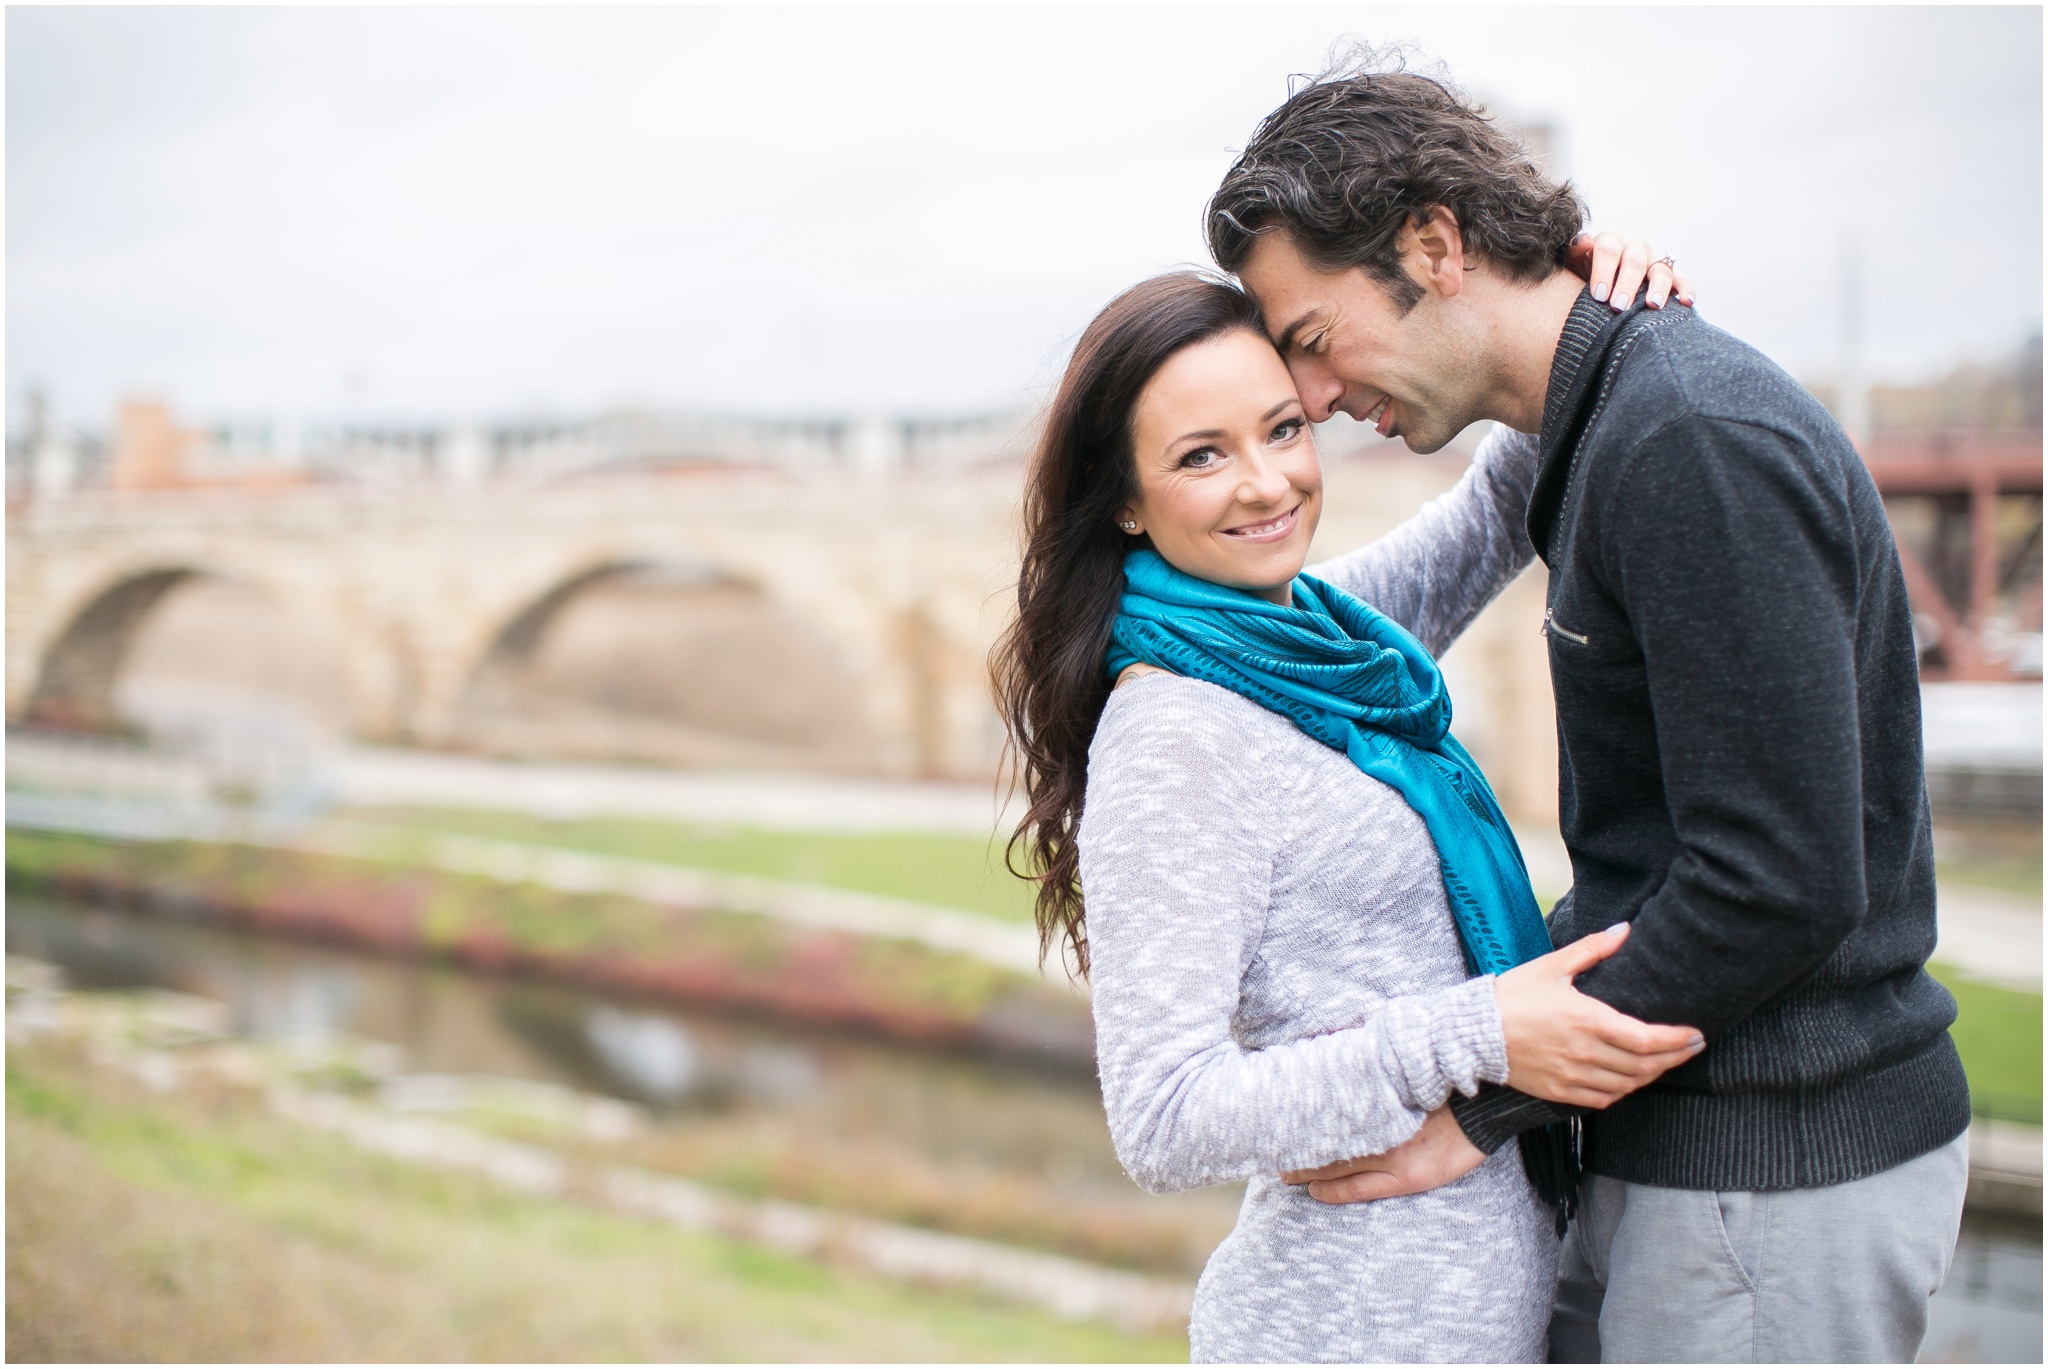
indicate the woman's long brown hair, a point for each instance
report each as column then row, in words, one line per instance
column 1050, row 667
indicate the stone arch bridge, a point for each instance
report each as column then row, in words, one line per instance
column 901, row 577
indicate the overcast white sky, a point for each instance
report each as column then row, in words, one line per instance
column 449, row 213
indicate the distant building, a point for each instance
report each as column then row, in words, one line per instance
column 150, row 451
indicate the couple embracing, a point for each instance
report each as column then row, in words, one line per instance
column 1722, row 1120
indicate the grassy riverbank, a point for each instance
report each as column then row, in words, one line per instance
column 690, row 954
column 951, row 872
column 196, row 1228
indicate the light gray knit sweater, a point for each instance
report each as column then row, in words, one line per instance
column 1278, row 984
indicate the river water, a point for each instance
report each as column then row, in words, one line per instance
column 683, row 1066
column 711, row 1081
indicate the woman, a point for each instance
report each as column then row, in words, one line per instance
column 1290, row 870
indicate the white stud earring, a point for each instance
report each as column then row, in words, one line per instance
column 1128, row 525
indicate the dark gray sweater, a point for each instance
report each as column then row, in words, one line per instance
column 1740, row 767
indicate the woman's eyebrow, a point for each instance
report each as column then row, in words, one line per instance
column 1207, row 434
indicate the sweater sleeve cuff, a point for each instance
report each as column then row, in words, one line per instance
column 1461, row 1042
column 1496, row 1113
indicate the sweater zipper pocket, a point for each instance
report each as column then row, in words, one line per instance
column 1550, row 626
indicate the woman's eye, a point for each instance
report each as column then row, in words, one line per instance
column 1200, row 459
column 1287, row 431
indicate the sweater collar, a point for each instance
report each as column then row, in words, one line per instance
column 1582, row 349
column 1582, row 328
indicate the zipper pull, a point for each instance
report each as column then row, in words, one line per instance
column 1556, row 629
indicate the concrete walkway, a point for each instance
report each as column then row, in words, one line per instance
column 1990, row 935
column 374, row 777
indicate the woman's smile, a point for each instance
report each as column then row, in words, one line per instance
column 1271, row 530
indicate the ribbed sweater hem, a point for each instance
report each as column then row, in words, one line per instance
column 1809, row 1139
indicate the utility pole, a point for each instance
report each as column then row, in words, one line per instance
column 53, row 456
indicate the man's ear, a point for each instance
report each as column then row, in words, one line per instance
column 1433, row 249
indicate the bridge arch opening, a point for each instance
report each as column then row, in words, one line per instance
column 669, row 662
column 172, row 648
column 75, row 687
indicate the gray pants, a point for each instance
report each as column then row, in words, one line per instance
column 1839, row 1274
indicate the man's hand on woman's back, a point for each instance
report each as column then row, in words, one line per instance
column 1431, row 1158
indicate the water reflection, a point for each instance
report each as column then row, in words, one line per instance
column 309, row 1003
column 684, row 1065
column 651, row 1055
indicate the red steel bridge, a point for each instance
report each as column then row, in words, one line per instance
column 1966, row 509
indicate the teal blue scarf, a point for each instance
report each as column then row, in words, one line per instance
column 1354, row 680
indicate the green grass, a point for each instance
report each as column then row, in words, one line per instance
column 2011, row 874
column 953, row 872
column 1998, row 1033
column 185, row 1229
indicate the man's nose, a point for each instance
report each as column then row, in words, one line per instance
column 1320, row 391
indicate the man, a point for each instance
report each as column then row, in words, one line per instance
column 1739, row 733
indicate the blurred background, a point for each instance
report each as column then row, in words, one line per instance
column 507, row 511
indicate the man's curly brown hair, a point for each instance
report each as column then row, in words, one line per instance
column 1368, row 147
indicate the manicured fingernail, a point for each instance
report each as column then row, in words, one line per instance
column 1654, row 304
column 1600, row 292
column 1698, row 1042
column 1616, row 927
